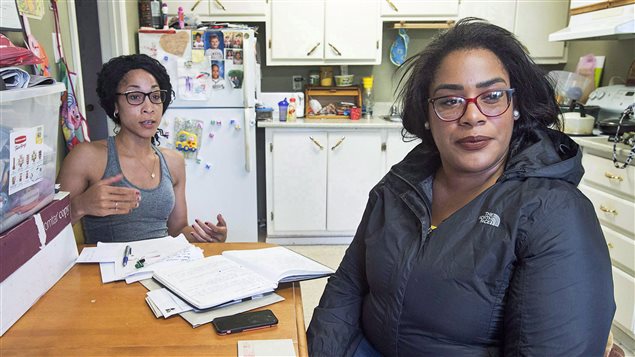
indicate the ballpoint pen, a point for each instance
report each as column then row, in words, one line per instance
column 126, row 254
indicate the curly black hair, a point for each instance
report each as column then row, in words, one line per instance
column 534, row 95
column 115, row 69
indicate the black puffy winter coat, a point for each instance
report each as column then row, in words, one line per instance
column 521, row 270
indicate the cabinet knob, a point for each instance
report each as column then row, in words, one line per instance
column 316, row 143
column 313, row 49
column 610, row 245
column 612, row 176
column 605, row 209
column 338, row 143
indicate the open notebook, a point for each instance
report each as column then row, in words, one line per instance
column 237, row 275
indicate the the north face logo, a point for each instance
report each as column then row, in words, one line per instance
column 490, row 218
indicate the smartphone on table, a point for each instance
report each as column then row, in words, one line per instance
column 245, row 321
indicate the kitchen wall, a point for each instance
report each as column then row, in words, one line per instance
column 619, row 55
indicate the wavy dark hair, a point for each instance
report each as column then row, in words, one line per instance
column 116, row 68
column 534, row 95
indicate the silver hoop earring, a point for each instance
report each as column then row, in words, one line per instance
column 115, row 114
column 516, row 114
column 426, row 125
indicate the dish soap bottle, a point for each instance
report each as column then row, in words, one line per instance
column 367, row 97
column 291, row 110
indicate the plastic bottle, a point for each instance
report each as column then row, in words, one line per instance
column 291, row 110
column 368, row 101
column 283, row 105
column 164, row 13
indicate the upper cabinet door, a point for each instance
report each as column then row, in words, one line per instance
column 349, row 37
column 553, row 16
column 499, row 12
column 237, row 7
column 297, row 30
column 419, row 8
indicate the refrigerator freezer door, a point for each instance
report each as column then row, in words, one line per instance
column 217, row 181
column 231, row 74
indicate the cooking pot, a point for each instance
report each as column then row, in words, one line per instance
column 575, row 123
column 609, row 126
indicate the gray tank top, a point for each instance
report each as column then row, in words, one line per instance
column 149, row 220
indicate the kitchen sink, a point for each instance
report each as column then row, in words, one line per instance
column 394, row 118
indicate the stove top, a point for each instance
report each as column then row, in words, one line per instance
column 612, row 100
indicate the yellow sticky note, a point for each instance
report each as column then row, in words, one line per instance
column 198, row 56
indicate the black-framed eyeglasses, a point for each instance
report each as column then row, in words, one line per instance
column 491, row 103
column 137, row 97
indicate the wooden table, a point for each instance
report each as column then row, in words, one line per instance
column 82, row 316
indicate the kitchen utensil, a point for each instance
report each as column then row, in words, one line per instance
column 609, row 126
column 344, row 80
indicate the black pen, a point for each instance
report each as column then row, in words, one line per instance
column 126, row 254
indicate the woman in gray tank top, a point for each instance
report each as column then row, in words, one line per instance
column 126, row 188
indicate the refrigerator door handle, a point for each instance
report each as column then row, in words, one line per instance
column 246, row 131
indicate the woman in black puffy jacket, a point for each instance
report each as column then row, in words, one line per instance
column 478, row 243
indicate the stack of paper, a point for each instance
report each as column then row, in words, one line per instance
column 163, row 303
column 236, row 275
column 154, row 253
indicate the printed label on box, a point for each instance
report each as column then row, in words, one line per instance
column 25, row 158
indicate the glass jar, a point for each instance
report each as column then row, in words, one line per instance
column 326, row 76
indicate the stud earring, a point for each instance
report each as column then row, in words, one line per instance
column 426, row 125
column 516, row 114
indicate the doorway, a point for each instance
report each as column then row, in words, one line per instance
column 91, row 62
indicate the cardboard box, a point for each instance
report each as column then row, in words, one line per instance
column 34, row 255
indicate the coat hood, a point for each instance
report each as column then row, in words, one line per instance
column 562, row 159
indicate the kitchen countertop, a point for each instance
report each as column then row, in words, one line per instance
column 601, row 146
column 372, row 123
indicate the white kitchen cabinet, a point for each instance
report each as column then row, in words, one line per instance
column 355, row 165
column 315, row 32
column 246, row 10
column 398, row 10
column 519, row 17
column 318, row 181
column 298, row 181
column 612, row 192
column 397, row 148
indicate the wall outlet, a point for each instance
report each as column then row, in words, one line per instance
column 297, row 82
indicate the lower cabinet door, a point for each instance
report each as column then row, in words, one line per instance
column 355, row 165
column 299, row 181
column 624, row 287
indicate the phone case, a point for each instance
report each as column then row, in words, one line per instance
column 244, row 321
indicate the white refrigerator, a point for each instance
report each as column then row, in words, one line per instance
column 216, row 80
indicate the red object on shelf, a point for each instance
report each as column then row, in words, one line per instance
column 356, row 113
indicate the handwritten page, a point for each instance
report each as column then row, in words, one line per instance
column 213, row 281
column 278, row 263
column 156, row 253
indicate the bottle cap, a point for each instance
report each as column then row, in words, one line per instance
column 292, row 100
column 283, row 102
column 368, row 82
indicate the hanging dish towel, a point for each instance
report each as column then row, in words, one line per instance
column 399, row 48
